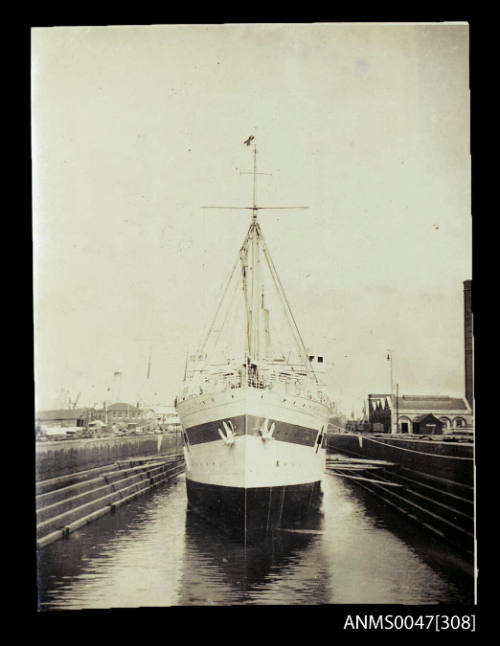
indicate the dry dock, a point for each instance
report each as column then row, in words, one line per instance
column 429, row 482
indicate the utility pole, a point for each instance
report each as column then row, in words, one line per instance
column 397, row 408
column 389, row 358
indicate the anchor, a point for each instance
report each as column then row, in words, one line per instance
column 228, row 437
column 265, row 432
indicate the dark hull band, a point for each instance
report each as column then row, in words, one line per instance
column 250, row 513
column 251, row 425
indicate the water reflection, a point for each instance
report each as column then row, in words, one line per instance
column 132, row 558
column 370, row 563
column 456, row 568
column 218, row 570
column 154, row 552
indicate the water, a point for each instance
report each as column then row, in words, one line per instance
column 153, row 552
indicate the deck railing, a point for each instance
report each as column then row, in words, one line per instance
column 288, row 383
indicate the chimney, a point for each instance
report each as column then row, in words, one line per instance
column 468, row 344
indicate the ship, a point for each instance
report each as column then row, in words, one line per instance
column 254, row 414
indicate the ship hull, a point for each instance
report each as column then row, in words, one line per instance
column 254, row 512
column 254, row 459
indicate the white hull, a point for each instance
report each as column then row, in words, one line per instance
column 293, row 455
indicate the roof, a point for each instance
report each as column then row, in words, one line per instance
column 56, row 431
column 430, row 402
column 121, row 406
column 61, row 413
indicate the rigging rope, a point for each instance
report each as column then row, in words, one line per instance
column 281, row 291
column 229, row 310
column 202, row 346
column 254, row 235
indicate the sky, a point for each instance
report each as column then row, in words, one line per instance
column 134, row 129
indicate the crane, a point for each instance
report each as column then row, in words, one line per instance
column 75, row 402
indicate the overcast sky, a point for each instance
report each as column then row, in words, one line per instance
column 135, row 128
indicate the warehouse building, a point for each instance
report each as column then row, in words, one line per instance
column 406, row 413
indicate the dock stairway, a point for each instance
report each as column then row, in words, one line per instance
column 65, row 504
column 443, row 507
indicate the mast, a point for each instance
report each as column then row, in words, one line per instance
column 254, row 246
column 254, row 348
column 248, row 318
column 148, row 374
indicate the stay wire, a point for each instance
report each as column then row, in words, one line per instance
column 281, row 291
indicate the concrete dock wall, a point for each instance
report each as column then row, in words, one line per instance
column 58, row 458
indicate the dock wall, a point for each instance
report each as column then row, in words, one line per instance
column 449, row 461
column 57, row 458
column 442, row 507
column 66, row 503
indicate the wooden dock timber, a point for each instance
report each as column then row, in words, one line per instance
column 65, row 504
column 441, row 506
